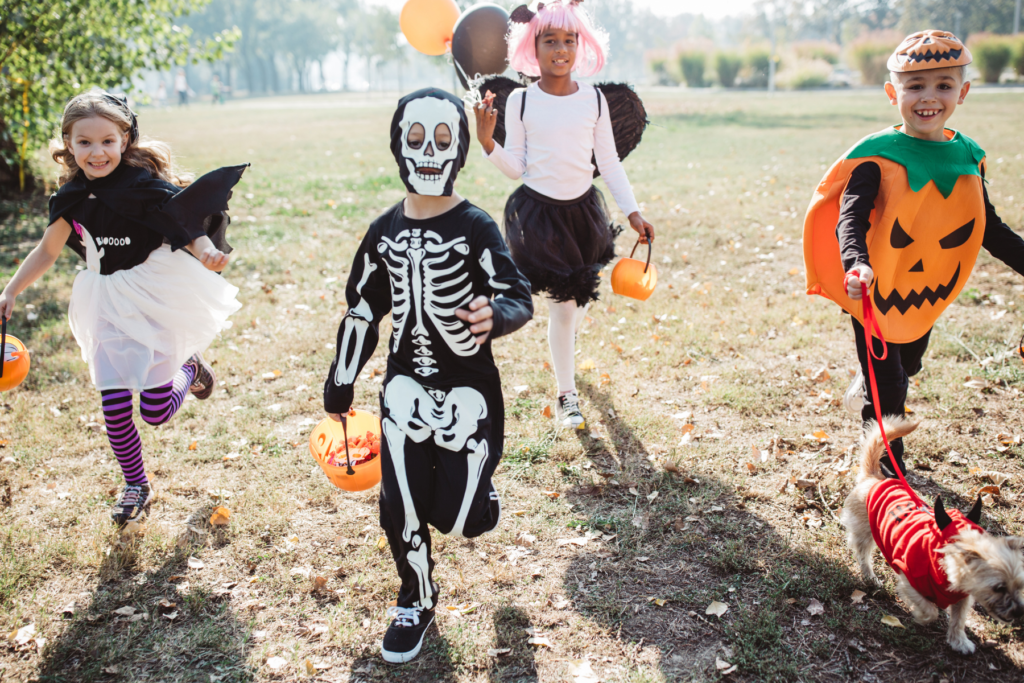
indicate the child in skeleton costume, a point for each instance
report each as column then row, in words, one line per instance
column 557, row 224
column 434, row 261
column 904, row 212
column 143, row 309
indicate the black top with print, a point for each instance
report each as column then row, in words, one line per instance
column 129, row 213
column 421, row 271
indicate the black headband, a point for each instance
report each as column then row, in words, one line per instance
column 122, row 104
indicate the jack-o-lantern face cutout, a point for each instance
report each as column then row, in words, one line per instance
column 899, row 239
column 929, row 50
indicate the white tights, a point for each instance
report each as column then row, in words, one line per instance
column 564, row 321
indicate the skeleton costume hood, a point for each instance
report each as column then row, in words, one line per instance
column 430, row 168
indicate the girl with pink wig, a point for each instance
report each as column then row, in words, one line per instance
column 557, row 224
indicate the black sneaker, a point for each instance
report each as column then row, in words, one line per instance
column 888, row 471
column 569, row 411
column 495, row 507
column 404, row 638
column 132, row 504
column 205, row 380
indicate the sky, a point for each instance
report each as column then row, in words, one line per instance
column 714, row 10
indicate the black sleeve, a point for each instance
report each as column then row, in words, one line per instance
column 855, row 214
column 369, row 299
column 508, row 288
column 1000, row 240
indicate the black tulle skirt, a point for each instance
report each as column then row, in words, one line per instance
column 560, row 246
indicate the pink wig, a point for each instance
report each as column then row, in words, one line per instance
column 565, row 15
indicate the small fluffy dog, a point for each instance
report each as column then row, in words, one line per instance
column 942, row 560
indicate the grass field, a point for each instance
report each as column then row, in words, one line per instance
column 689, row 486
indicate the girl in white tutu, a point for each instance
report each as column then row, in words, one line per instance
column 143, row 310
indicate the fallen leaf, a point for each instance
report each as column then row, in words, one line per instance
column 652, row 496
column 724, row 667
column 276, row 663
column 606, row 379
column 582, row 672
column 68, row 610
column 165, row 606
column 551, row 494
column 310, row 669
column 587, row 365
column 232, row 456
column 580, row 541
column 821, row 436
column 525, row 540
column 195, row 563
column 539, row 640
column 892, row 621
column 125, row 611
column 498, row 652
column 382, row 543
column 752, row 467
column 660, row 602
column 113, row 670
column 220, row 517
column 170, row 616
column 717, row 608
column 24, row 635
column 815, row 608
column 857, row 597
column 319, row 583
column 687, row 428
column 546, row 413
column 193, row 446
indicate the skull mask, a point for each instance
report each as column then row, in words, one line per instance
column 429, row 163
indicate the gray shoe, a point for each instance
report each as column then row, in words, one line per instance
column 856, row 396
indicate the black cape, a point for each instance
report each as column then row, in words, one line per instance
column 133, row 213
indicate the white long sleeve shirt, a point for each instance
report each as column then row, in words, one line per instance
column 552, row 146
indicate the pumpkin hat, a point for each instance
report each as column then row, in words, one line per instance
column 929, row 50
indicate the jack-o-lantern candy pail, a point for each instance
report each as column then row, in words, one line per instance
column 16, row 361
column 327, row 446
column 634, row 278
column 926, row 229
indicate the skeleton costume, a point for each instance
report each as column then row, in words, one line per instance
column 441, row 402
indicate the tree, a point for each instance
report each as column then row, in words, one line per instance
column 54, row 49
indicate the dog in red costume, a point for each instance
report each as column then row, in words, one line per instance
column 943, row 561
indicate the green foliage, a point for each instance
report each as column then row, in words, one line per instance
column 51, row 51
column 692, row 65
column 806, row 74
column 992, row 54
column 662, row 71
column 817, row 50
column 869, row 55
column 1018, row 57
column 758, row 63
column 727, row 65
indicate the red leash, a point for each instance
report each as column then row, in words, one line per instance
column 871, row 323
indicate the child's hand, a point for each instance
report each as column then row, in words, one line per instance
column 860, row 273
column 7, row 304
column 486, row 122
column 481, row 315
column 214, row 259
column 643, row 228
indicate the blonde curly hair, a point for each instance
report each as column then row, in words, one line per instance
column 152, row 155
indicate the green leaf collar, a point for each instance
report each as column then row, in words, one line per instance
column 941, row 162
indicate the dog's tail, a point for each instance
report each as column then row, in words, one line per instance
column 873, row 448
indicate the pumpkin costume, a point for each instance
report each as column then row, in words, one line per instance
column 917, row 213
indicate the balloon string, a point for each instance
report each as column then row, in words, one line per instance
column 871, row 323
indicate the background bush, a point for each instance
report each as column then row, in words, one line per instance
column 692, row 65
column 869, row 55
column 804, row 74
column 728, row 65
column 992, row 54
column 820, row 50
column 758, row 61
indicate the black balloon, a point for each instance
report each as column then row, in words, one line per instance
column 480, row 42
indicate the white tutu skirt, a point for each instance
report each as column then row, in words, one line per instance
column 137, row 327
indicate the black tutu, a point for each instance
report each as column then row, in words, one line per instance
column 560, row 246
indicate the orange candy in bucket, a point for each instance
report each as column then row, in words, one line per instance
column 361, row 433
column 15, row 360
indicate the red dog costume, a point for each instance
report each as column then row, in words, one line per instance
column 910, row 537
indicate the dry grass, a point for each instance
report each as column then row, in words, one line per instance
column 728, row 339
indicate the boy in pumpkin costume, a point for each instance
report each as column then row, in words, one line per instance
column 905, row 213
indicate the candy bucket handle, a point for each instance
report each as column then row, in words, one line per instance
column 650, row 245
column 348, row 458
column 3, row 343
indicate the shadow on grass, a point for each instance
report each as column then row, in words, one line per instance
column 194, row 637
column 695, row 543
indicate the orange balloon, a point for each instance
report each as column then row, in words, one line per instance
column 15, row 363
column 428, row 25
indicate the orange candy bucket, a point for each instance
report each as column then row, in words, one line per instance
column 330, row 436
column 14, row 360
column 634, row 278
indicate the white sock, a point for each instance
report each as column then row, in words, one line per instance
column 564, row 319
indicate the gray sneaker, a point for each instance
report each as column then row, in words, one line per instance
column 569, row 411
column 856, row 394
